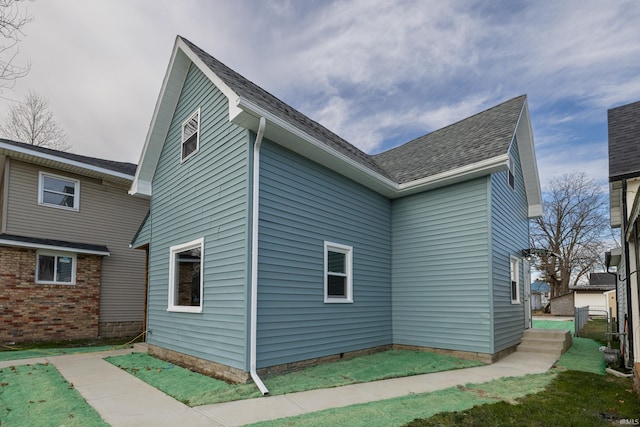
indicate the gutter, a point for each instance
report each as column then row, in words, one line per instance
column 625, row 224
column 254, row 259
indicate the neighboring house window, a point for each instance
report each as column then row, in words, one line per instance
column 59, row 192
column 338, row 280
column 185, row 277
column 55, row 268
column 191, row 135
column 515, row 280
column 511, row 179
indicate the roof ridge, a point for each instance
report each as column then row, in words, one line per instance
column 447, row 127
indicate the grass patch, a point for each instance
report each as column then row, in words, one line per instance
column 49, row 352
column 583, row 355
column 59, row 348
column 554, row 324
column 194, row 389
column 583, row 360
column 572, row 398
column 402, row 410
column 37, row 395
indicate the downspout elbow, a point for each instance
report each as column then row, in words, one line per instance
column 254, row 259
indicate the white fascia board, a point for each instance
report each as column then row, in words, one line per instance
column 229, row 93
column 635, row 212
column 7, row 149
column 528, row 162
column 474, row 170
column 615, row 195
column 314, row 149
column 51, row 247
column 333, row 159
column 181, row 58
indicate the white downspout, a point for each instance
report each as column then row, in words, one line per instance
column 254, row 259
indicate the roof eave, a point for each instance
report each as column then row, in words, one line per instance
column 14, row 243
column 465, row 173
column 526, row 148
column 298, row 141
column 181, row 59
column 57, row 162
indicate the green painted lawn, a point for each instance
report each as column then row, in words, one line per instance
column 38, row 396
column 49, row 352
column 194, row 389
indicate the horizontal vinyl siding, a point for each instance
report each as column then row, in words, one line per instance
column 510, row 234
column 440, row 272
column 205, row 196
column 302, row 205
column 107, row 216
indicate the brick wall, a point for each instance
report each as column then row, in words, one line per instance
column 35, row 312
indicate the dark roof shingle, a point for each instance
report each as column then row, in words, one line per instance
column 480, row 137
column 252, row 92
column 121, row 167
column 56, row 243
column 624, row 141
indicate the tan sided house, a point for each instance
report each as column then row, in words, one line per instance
column 66, row 269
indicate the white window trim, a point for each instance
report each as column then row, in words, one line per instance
column 514, row 262
column 76, row 196
column 173, row 251
column 56, row 254
column 348, row 251
column 182, row 140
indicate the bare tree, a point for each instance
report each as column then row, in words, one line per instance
column 12, row 21
column 574, row 226
column 32, row 122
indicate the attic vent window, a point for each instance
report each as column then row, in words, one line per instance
column 511, row 180
column 191, row 135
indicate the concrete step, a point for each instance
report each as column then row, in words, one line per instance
column 546, row 341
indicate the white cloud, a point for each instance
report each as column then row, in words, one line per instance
column 373, row 71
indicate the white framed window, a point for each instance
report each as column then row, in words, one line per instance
column 55, row 268
column 58, row 191
column 511, row 179
column 185, row 276
column 338, row 273
column 190, row 136
column 515, row 280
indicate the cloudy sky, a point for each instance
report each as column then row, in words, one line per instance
column 376, row 72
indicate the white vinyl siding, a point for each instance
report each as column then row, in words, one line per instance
column 58, row 191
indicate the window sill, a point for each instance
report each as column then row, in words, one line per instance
column 56, row 283
column 338, row 301
column 64, row 208
column 184, row 309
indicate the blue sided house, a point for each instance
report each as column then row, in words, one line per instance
column 273, row 243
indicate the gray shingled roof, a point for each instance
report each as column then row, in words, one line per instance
column 252, row 92
column 57, row 243
column 480, row 137
column 121, row 167
column 624, row 141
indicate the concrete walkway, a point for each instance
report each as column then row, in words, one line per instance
column 123, row 400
